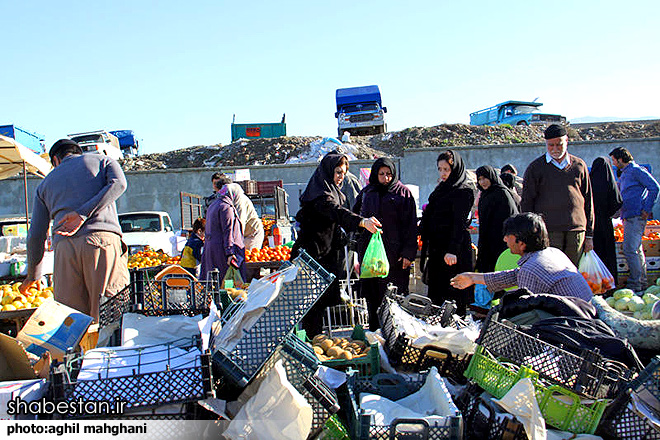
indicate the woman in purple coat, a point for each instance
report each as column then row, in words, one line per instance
column 223, row 239
column 393, row 204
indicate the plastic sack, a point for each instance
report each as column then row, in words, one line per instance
column 482, row 296
column 232, row 279
column 277, row 410
column 593, row 270
column 374, row 263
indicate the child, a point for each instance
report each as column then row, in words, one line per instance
column 191, row 256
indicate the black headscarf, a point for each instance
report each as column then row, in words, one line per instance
column 607, row 198
column 508, row 180
column 373, row 177
column 322, row 182
column 457, row 178
column 489, row 173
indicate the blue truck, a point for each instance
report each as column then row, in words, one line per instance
column 515, row 113
column 258, row 130
column 33, row 141
column 360, row 111
column 127, row 142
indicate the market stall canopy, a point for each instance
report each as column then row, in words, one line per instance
column 13, row 155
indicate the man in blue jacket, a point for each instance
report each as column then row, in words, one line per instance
column 638, row 190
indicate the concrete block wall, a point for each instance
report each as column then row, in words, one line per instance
column 159, row 189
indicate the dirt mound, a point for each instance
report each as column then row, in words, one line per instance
column 291, row 148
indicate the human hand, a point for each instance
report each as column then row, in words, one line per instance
column 69, row 224
column 588, row 244
column 26, row 284
column 450, row 259
column 405, row 264
column 371, row 224
column 462, row 281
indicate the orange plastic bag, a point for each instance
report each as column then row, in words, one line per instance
column 596, row 273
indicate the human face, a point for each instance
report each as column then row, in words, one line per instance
column 617, row 163
column 340, row 173
column 384, row 175
column 484, row 182
column 444, row 169
column 516, row 247
column 557, row 147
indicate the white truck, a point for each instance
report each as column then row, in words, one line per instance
column 149, row 228
column 99, row 141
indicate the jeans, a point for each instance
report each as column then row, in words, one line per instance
column 633, row 229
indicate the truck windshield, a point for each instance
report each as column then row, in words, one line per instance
column 88, row 138
column 360, row 108
column 139, row 222
column 524, row 109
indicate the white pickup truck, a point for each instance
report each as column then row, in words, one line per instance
column 149, row 228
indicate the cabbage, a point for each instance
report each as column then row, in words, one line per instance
column 636, row 304
column 646, row 316
column 610, row 301
column 650, row 297
column 653, row 290
column 623, row 293
column 637, row 315
column 621, row 304
column 657, row 282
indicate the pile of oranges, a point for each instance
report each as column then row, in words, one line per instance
column 597, row 284
column 268, row 228
column 149, row 258
column 618, row 232
column 12, row 299
column 277, row 253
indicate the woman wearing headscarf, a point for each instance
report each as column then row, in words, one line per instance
column 321, row 218
column 391, row 202
column 607, row 201
column 509, row 182
column 446, row 244
column 223, row 238
column 496, row 204
column 251, row 225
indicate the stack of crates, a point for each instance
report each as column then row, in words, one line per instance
column 271, row 338
column 572, row 390
column 627, row 417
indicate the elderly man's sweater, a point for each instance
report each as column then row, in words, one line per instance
column 563, row 197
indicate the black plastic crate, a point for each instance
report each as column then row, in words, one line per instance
column 647, row 383
column 237, row 367
column 394, row 387
column 588, row 373
column 485, row 426
column 622, row 422
column 398, row 346
column 146, row 385
column 172, row 295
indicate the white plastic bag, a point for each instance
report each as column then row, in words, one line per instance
column 277, row 410
column 593, row 270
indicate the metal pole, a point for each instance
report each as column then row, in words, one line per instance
column 25, row 190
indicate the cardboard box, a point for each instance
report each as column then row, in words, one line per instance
column 53, row 327
column 651, row 248
column 622, row 265
column 650, row 229
column 652, row 264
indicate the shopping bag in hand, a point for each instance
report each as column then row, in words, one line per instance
column 232, row 279
column 374, row 263
column 595, row 272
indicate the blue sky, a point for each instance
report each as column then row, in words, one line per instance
column 176, row 72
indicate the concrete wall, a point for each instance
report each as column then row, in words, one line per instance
column 159, row 190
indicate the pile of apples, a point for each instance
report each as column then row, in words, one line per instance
column 149, row 258
column 12, row 299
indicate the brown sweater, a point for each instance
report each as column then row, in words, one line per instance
column 563, row 197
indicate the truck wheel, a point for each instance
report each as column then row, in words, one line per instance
column 340, row 133
column 522, row 123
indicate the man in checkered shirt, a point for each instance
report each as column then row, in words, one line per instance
column 542, row 269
